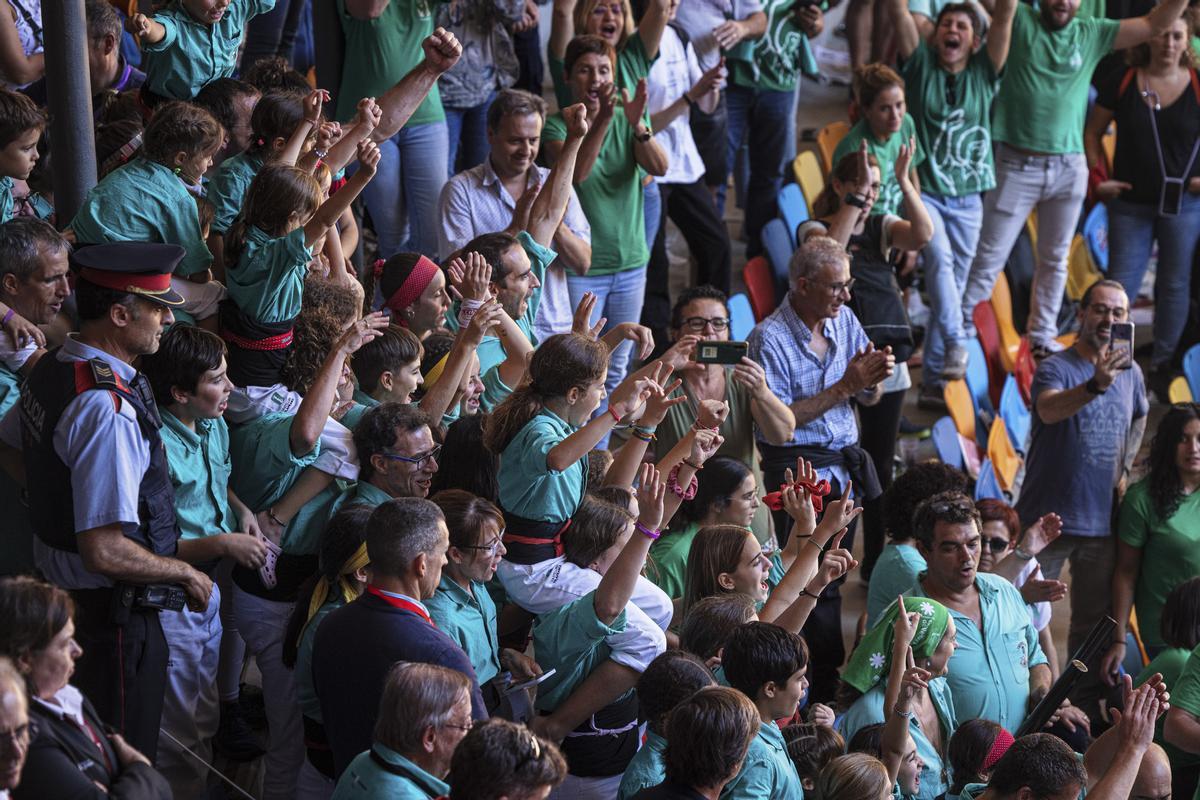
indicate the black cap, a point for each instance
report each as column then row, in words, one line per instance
column 141, row 268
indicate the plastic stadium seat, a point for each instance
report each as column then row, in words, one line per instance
column 989, row 338
column 1004, row 458
column 961, row 406
column 1010, row 340
column 977, row 376
column 779, row 246
column 1095, row 233
column 792, row 209
column 760, row 285
column 741, row 317
column 945, row 439
column 986, row 484
column 1179, row 391
column 827, row 141
column 1081, row 272
column 808, row 173
column 1191, row 369
column 1014, row 412
column 1023, row 372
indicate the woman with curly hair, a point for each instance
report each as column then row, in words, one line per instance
column 1157, row 533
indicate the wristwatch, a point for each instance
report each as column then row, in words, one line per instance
column 1022, row 553
column 1093, row 387
column 644, row 137
column 856, row 200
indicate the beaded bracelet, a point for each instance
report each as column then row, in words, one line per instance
column 649, row 533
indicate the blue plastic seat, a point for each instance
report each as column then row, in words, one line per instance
column 792, row 208
column 986, row 484
column 1191, row 369
column 977, row 376
column 945, row 439
column 1016, row 416
column 741, row 317
column 779, row 246
column 1095, row 233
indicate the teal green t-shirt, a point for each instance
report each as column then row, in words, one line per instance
column 366, row 780
column 955, row 137
column 1170, row 552
column 528, row 487
column 6, row 199
column 1171, row 662
column 666, row 566
column 611, row 198
column 775, row 61
column 264, row 467
column 470, row 620
column 199, row 466
column 894, row 574
column 647, row 767
column 768, row 771
column 632, row 66
column 144, row 201
column 571, row 639
column 1043, row 98
column 267, row 282
column 227, row 189
column 381, row 51
column 193, row 54
column 890, row 197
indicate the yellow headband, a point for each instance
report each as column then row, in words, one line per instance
column 345, row 579
column 435, row 374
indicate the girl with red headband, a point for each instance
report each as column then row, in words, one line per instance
column 414, row 291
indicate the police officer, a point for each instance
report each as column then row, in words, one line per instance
column 98, row 487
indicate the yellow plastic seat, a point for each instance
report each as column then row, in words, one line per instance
column 1179, row 391
column 808, row 174
column 1081, row 272
column 962, row 410
column 1005, row 460
column 827, row 141
column 1010, row 340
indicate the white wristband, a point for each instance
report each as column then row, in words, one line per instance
column 467, row 310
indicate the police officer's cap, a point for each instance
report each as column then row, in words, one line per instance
column 141, row 268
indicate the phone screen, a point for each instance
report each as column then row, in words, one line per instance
column 1122, row 339
column 1172, row 197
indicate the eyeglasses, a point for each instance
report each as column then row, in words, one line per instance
column 700, row 323
column 421, row 461
column 1117, row 312
column 952, row 89
column 458, row 727
column 491, row 547
column 838, row 286
column 996, row 545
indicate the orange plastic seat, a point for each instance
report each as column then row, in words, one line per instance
column 1010, row 340
column 1005, row 460
column 827, row 141
column 962, row 409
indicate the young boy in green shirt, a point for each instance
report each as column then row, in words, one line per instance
column 191, row 389
column 192, row 43
column 21, row 124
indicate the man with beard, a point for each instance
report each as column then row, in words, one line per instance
column 1040, row 164
column 1090, row 413
column 951, row 81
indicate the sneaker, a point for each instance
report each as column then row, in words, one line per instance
column 954, row 366
column 235, row 740
column 1043, row 350
column 930, row 398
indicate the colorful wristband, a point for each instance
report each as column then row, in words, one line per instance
column 647, row 532
column 8, row 316
column 616, row 417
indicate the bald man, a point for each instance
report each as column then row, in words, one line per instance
column 1154, row 776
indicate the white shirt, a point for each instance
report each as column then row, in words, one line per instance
column 674, row 72
column 475, row 202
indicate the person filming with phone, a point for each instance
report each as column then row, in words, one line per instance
column 1090, row 413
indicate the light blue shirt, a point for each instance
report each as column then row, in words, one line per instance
column 366, row 780
column 781, row 344
column 572, row 640
column 868, row 710
column 470, row 620
column 988, row 674
column 528, row 487
column 100, row 441
column 767, row 772
column 199, row 465
column 647, row 767
column 894, row 574
column 267, row 282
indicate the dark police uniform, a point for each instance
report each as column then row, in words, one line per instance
column 93, row 457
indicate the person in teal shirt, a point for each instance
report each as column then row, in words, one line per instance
column 388, row 368
column 952, row 84
column 886, row 126
column 19, row 135
column 669, row 680
column 879, row 659
column 192, row 43
column 419, row 700
column 769, row 665
column 900, row 563
column 998, row 670
column 462, row 606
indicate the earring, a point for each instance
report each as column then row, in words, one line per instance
column 178, row 170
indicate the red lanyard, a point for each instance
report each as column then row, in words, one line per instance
column 400, row 602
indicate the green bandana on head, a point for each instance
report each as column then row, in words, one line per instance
column 872, row 659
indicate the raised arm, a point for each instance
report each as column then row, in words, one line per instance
column 626, row 399
column 1000, row 33
column 808, row 552
column 904, row 28
column 617, row 585
column 628, row 459
column 363, row 125
column 1117, row 754
column 398, row 103
column 146, row 29
column 1056, row 405
column 327, row 215
column 1139, row 29
column 438, row 397
column 562, row 28
column 705, row 93
column 915, row 230
column 649, row 154
column 551, row 203
column 652, row 25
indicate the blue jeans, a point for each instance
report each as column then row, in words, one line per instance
column 467, row 127
column 758, row 119
column 652, row 211
column 947, row 260
column 619, row 299
column 1132, row 230
column 403, row 196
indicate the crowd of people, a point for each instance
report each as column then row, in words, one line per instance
column 370, row 384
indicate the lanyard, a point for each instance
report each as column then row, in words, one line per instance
column 401, row 603
column 1162, row 164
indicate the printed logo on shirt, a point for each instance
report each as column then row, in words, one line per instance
column 960, row 152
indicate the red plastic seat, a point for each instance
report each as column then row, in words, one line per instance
column 760, row 285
